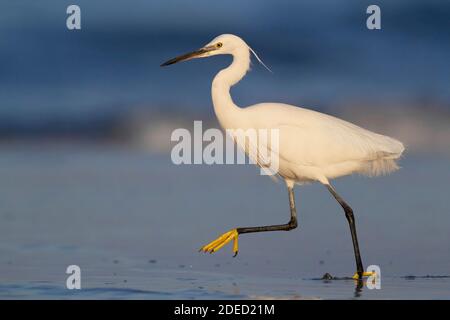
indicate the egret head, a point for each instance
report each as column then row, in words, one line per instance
column 223, row 44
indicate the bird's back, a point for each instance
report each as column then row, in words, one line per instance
column 323, row 145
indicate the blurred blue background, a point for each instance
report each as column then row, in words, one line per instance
column 95, row 81
column 85, row 170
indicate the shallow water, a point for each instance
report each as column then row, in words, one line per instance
column 154, row 283
column 133, row 222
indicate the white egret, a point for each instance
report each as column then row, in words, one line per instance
column 312, row 146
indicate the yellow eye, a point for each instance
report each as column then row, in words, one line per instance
column 219, row 45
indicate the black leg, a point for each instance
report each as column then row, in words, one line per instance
column 292, row 224
column 351, row 221
column 233, row 234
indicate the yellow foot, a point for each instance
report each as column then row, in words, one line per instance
column 365, row 274
column 221, row 241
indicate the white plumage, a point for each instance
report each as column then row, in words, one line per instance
column 316, row 146
column 313, row 146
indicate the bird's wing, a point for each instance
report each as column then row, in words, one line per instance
column 258, row 150
column 311, row 138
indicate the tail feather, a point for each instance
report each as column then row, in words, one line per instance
column 379, row 167
column 384, row 162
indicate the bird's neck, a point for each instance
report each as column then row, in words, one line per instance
column 224, row 107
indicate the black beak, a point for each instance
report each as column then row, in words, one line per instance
column 188, row 56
